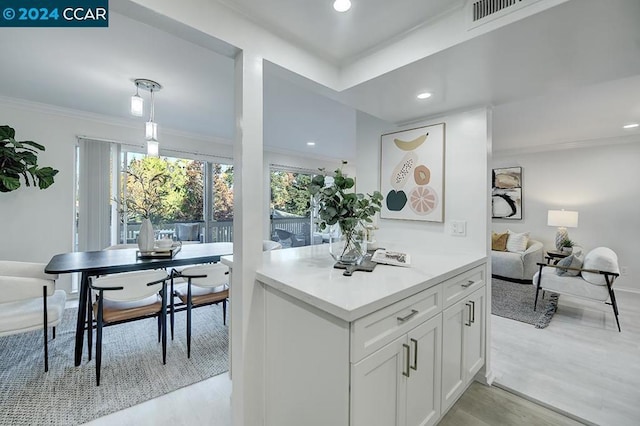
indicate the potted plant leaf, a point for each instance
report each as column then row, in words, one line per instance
column 567, row 246
column 349, row 211
column 19, row 159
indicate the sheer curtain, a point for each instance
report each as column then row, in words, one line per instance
column 94, row 194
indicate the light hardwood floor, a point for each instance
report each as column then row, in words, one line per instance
column 580, row 364
column 491, row 406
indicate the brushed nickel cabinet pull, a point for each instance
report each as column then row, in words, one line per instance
column 408, row 316
column 468, row 324
column 415, row 354
column 469, row 283
column 406, row 354
column 473, row 311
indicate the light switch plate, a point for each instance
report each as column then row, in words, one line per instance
column 459, row 228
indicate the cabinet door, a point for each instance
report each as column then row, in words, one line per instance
column 423, row 383
column 378, row 386
column 454, row 321
column 474, row 344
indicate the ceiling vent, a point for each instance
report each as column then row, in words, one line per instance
column 482, row 11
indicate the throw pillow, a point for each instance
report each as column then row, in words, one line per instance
column 572, row 261
column 601, row 259
column 499, row 241
column 517, row 242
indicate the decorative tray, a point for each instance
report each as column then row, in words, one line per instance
column 160, row 253
column 366, row 265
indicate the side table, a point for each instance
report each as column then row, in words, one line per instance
column 555, row 256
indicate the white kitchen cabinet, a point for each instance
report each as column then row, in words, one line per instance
column 463, row 344
column 366, row 349
column 400, row 383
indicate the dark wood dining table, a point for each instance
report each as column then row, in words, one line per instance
column 94, row 263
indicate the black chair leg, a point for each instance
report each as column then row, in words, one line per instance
column 54, row 333
column 224, row 312
column 163, row 316
column 159, row 327
column 45, row 328
column 189, row 319
column 99, row 341
column 535, row 302
column 89, row 327
column 172, row 304
column 614, row 304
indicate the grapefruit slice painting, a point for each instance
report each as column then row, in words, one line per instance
column 422, row 200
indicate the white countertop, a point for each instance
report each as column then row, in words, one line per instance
column 307, row 274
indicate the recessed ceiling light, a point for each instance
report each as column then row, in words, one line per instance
column 424, row 95
column 630, row 126
column 342, row 5
column 311, row 143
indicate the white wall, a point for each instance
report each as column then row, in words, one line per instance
column 465, row 183
column 602, row 183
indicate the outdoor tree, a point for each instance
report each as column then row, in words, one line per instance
column 146, row 189
column 222, row 192
column 289, row 192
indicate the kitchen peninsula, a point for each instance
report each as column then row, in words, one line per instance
column 388, row 347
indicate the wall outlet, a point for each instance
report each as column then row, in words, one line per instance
column 624, row 271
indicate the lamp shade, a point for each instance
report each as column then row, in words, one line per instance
column 564, row 218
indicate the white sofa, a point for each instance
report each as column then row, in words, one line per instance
column 29, row 300
column 517, row 266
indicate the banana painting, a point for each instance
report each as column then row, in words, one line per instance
column 410, row 145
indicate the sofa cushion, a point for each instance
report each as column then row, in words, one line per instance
column 517, row 243
column 499, row 241
column 600, row 259
column 572, row 261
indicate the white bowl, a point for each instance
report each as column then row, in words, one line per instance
column 165, row 243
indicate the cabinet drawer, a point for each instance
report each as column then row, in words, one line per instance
column 462, row 285
column 370, row 333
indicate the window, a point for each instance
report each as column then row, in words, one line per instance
column 171, row 192
column 291, row 222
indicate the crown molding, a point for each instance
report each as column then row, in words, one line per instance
column 32, row 106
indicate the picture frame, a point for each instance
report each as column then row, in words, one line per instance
column 506, row 193
column 412, row 174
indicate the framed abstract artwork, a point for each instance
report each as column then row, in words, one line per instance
column 506, row 195
column 412, row 174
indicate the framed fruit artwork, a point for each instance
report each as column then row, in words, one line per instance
column 412, row 174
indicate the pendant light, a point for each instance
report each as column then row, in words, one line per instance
column 137, row 103
column 151, row 127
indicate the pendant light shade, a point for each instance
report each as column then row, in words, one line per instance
column 153, row 149
column 137, row 104
column 151, row 131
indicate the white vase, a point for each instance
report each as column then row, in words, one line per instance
column 146, row 238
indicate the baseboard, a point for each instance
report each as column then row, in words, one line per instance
column 513, row 280
column 544, row 404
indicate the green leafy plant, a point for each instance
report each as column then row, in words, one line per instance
column 338, row 205
column 20, row 159
column 567, row 243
